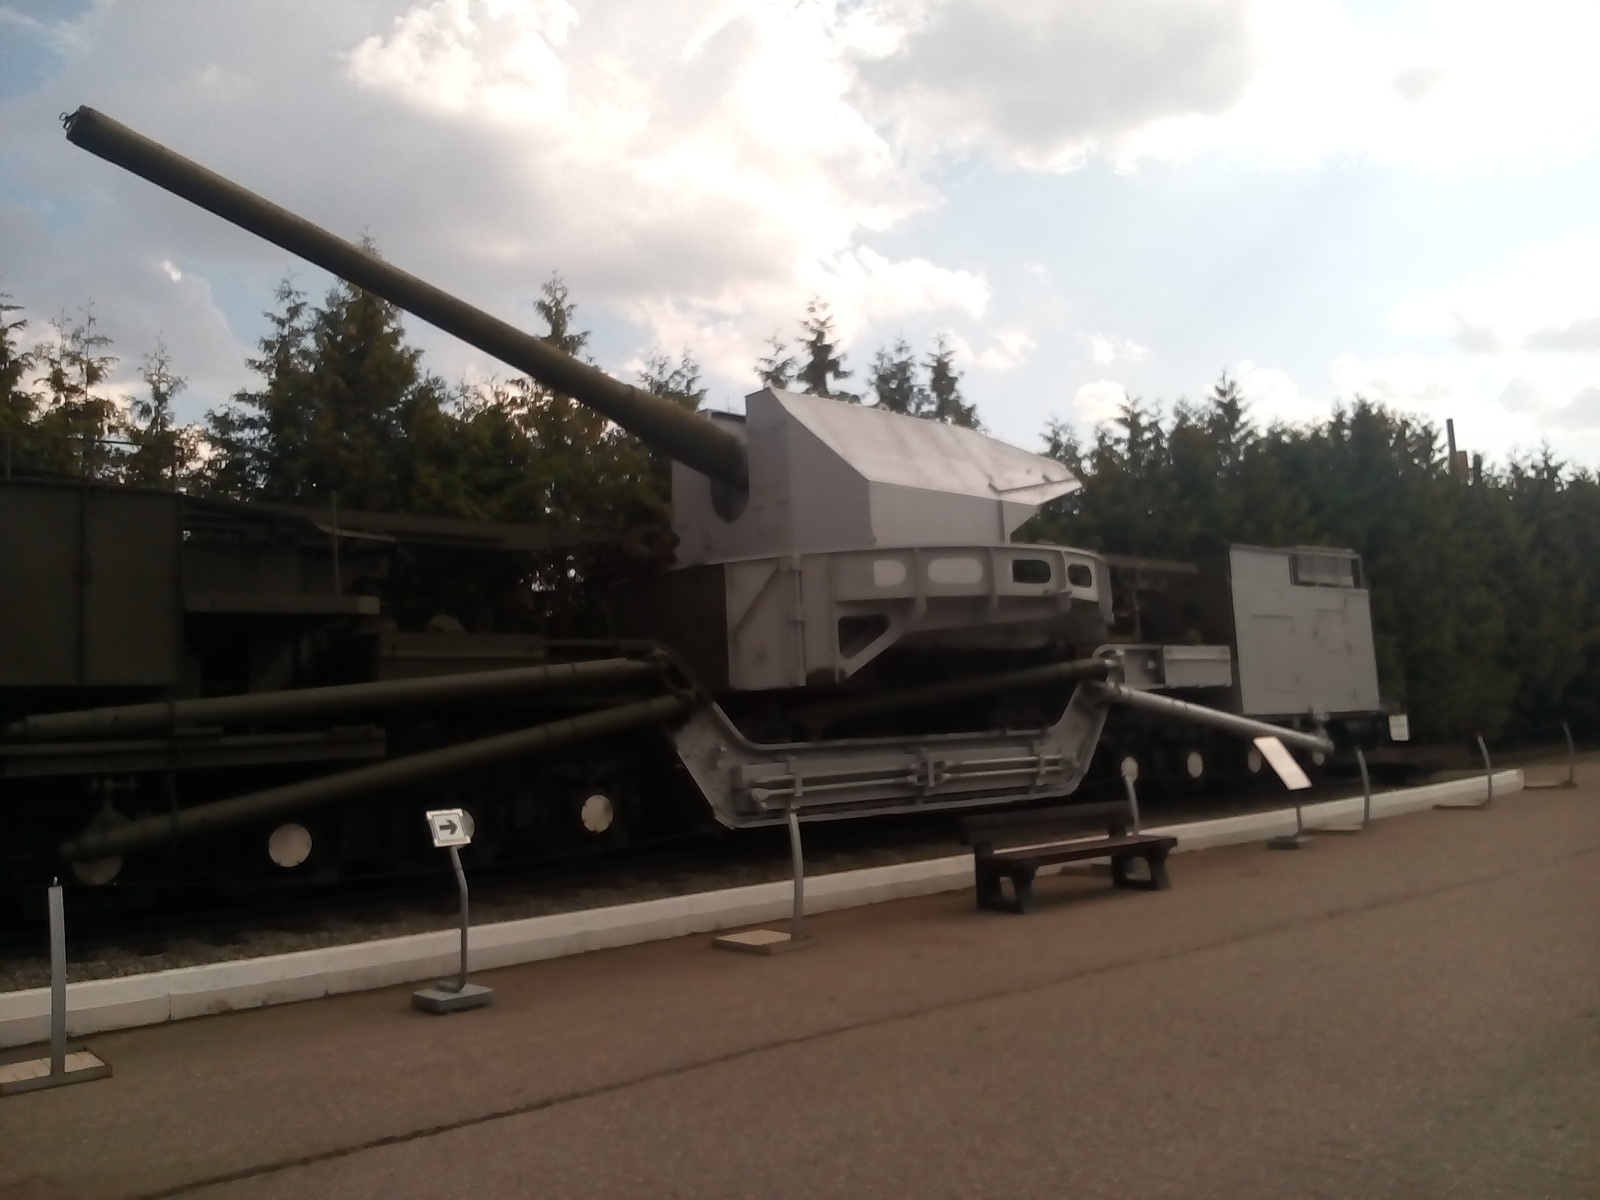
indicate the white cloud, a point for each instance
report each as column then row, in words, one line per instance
column 1007, row 350
column 456, row 57
column 1274, row 396
column 1043, row 82
column 1582, row 412
column 1098, row 401
column 1105, row 351
column 1522, row 395
column 1546, row 297
column 1428, row 82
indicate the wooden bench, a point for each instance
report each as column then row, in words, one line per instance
column 1014, row 845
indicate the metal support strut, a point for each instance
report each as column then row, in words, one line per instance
column 1488, row 782
column 1571, row 781
column 61, row 1067
column 448, row 996
column 774, row 941
column 1366, row 802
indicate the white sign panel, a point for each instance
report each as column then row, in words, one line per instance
column 1399, row 728
column 452, row 827
column 1281, row 761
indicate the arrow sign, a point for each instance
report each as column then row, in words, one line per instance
column 450, row 827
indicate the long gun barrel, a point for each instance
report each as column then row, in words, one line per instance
column 693, row 441
column 301, row 703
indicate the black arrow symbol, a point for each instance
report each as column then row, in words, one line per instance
column 448, row 825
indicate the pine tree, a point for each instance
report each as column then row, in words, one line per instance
column 344, row 413
column 164, row 452
column 894, row 381
column 822, row 364
column 776, row 370
column 74, row 419
column 944, row 389
column 17, row 404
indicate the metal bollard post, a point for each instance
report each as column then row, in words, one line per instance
column 797, row 930
column 772, row 941
column 1488, row 782
column 1366, row 789
column 1366, row 802
column 58, row 980
column 1571, row 781
column 60, row 1067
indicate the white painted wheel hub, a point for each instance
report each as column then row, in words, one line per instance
column 289, row 845
column 597, row 813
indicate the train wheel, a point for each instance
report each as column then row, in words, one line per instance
column 595, row 817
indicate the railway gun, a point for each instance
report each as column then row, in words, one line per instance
column 846, row 630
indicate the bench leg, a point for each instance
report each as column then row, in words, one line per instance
column 1158, row 871
column 1022, row 886
column 1155, row 862
column 987, row 881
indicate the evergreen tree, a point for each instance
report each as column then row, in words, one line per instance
column 164, row 452
column 944, row 389
column 822, row 364
column 344, row 411
column 74, row 419
column 17, row 403
column 894, row 381
column 776, row 370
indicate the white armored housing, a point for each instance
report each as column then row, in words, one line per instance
column 1303, row 624
column 826, row 475
column 861, row 529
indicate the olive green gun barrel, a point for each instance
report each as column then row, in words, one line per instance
column 402, row 772
column 693, row 441
column 299, row 703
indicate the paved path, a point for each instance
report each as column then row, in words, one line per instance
column 1413, row 1012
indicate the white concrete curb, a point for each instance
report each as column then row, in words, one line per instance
column 103, row 1004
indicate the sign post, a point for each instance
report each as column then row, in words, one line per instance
column 62, row 1066
column 451, row 829
column 1294, row 778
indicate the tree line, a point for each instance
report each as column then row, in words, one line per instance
column 1485, row 586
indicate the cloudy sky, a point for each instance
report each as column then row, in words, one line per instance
column 1400, row 200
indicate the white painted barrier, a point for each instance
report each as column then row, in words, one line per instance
column 98, row 1005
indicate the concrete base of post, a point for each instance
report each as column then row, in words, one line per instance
column 762, row 941
column 79, row 1066
column 445, row 997
column 1288, row 841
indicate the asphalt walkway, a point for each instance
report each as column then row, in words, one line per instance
column 1410, row 1012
